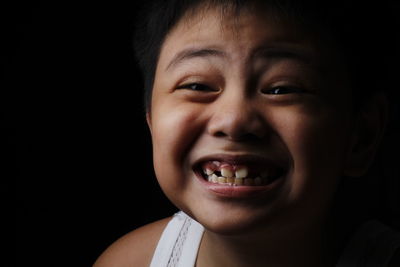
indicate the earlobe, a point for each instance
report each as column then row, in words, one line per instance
column 369, row 130
column 148, row 120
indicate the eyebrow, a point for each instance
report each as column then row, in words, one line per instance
column 304, row 56
column 193, row 53
column 266, row 52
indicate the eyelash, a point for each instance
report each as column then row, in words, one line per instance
column 282, row 90
column 203, row 87
column 277, row 90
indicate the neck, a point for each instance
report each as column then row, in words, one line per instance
column 298, row 246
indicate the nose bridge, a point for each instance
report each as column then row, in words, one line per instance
column 236, row 117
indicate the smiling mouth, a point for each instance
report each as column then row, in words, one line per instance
column 238, row 172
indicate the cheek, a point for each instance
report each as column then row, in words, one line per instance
column 317, row 145
column 173, row 130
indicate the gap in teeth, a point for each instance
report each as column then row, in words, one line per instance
column 223, row 173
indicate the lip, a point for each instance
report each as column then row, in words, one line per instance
column 242, row 191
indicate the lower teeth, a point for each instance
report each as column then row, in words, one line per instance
column 237, row 181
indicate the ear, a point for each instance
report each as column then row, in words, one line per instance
column 148, row 120
column 369, row 129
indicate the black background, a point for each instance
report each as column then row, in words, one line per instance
column 74, row 123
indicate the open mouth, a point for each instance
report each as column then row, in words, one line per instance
column 238, row 172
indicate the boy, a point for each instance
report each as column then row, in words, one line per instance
column 257, row 113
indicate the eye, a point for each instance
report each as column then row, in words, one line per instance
column 281, row 90
column 197, row 87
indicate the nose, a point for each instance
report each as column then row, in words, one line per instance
column 237, row 119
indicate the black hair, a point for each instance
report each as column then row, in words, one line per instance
column 361, row 30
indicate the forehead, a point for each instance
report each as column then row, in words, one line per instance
column 238, row 35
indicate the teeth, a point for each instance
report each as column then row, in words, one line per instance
column 241, row 173
column 264, row 174
column 221, row 180
column 234, row 175
column 226, row 172
column 257, row 181
column 238, row 181
column 213, row 178
column 248, row 181
column 230, row 180
column 208, row 171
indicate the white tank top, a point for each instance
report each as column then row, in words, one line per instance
column 372, row 245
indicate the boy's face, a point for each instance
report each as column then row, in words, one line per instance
column 248, row 93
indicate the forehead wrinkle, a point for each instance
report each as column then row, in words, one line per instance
column 230, row 21
column 228, row 18
column 191, row 53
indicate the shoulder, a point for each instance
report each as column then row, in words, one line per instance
column 135, row 248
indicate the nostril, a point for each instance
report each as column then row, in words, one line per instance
column 249, row 137
column 246, row 137
column 239, row 137
column 220, row 134
column 238, row 124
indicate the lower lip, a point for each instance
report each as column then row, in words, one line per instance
column 240, row 191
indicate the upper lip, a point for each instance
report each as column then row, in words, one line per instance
column 240, row 159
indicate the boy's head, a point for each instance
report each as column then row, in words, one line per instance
column 360, row 32
column 251, row 110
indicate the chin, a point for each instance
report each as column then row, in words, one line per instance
column 234, row 221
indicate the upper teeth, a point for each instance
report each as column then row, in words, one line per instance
column 226, row 172
column 209, row 171
column 213, row 178
column 241, row 173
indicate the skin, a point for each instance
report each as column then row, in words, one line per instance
column 221, row 102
